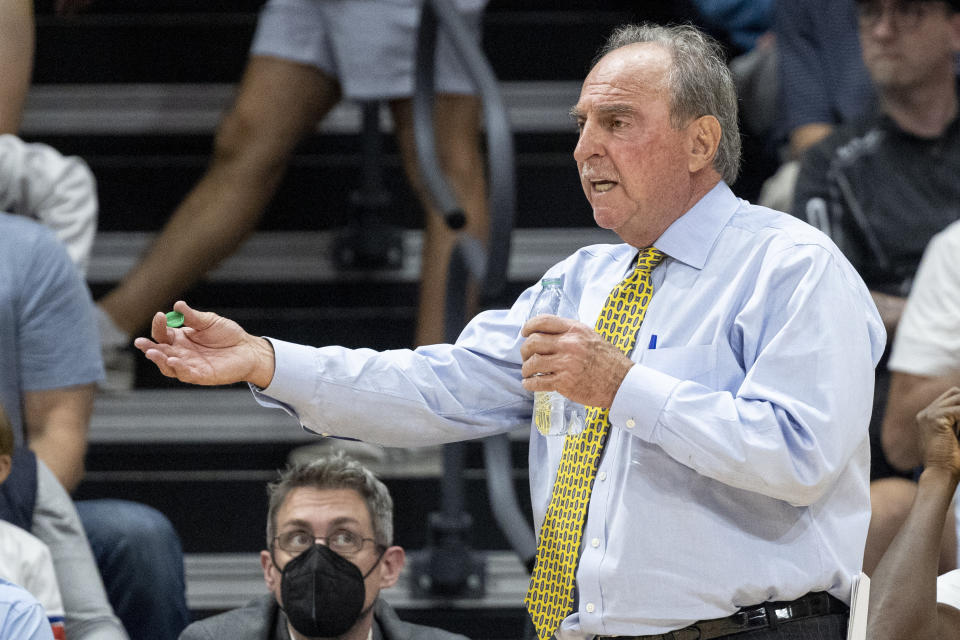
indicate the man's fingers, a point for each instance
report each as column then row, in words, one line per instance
column 161, row 360
column 159, row 330
column 546, row 382
column 144, row 343
column 536, row 365
column 538, row 343
column 194, row 319
column 546, row 324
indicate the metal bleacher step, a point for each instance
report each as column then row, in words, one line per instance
column 178, row 109
column 308, row 256
column 220, row 581
column 201, row 415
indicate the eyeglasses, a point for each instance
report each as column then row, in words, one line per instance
column 904, row 16
column 341, row 541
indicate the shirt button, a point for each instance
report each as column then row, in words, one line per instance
column 590, row 607
column 595, row 543
column 631, row 423
column 602, row 476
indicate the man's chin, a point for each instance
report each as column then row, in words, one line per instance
column 606, row 218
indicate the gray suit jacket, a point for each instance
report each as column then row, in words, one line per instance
column 263, row 620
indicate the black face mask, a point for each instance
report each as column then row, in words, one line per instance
column 323, row 592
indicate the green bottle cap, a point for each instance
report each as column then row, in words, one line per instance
column 174, row 319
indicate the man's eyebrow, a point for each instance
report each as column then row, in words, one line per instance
column 304, row 524
column 603, row 110
column 297, row 523
column 343, row 520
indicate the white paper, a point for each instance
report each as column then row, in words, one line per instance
column 859, row 603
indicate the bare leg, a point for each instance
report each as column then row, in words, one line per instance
column 278, row 103
column 890, row 500
column 457, row 126
column 16, row 60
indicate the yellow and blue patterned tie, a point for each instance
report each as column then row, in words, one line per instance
column 550, row 597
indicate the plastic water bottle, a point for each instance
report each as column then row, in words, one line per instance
column 554, row 414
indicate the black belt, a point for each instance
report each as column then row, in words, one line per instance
column 761, row 616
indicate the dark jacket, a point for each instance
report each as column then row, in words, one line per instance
column 263, row 620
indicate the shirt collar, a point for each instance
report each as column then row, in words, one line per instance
column 691, row 236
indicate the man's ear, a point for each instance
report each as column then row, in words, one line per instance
column 390, row 566
column 270, row 574
column 5, row 466
column 704, row 140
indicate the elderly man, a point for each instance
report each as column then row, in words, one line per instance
column 907, row 599
column 882, row 187
column 329, row 554
column 719, row 485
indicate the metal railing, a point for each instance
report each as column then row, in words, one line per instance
column 448, row 566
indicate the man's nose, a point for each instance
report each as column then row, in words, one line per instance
column 588, row 144
column 885, row 25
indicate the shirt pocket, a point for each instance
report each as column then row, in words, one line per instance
column 697, row 363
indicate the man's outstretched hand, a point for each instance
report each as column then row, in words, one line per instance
column 208, row 349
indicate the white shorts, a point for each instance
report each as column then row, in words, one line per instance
column 368, row 45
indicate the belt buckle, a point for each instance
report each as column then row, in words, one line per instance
column 753, row 618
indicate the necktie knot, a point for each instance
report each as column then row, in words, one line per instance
column 648, row 259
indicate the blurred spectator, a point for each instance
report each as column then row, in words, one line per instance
column 822, row 79
column 47, row 386
column 34, row 500
column 21, row 616
column 925, row 358
column 58, row 191
column 743, row 21
column 907, row 599
column 16, row 60
column 821, row 82
column 24, row 558
column 882, row 187
column 306, row 56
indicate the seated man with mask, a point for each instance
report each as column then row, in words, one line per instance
column 329, row 554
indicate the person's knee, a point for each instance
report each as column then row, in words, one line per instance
column 242, row 144
column 131, row 529
column 890, row 500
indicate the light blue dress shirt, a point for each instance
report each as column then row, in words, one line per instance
column 21, row 616
column 736, row 471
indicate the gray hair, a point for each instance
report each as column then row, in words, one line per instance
column 334, row 472
column 699, row 80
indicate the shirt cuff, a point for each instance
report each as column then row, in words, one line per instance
column 640, row 400
column 294, row 377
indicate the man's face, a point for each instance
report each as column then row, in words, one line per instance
column 632, row 161
column 321, row 513
column 907, row 45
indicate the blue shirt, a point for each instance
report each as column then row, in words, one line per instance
column 743, row 20
column 21, row 616
column 736, row 471
column 822, row 77
column 48, row 331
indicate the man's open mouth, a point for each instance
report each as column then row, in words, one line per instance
column 602, row 186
